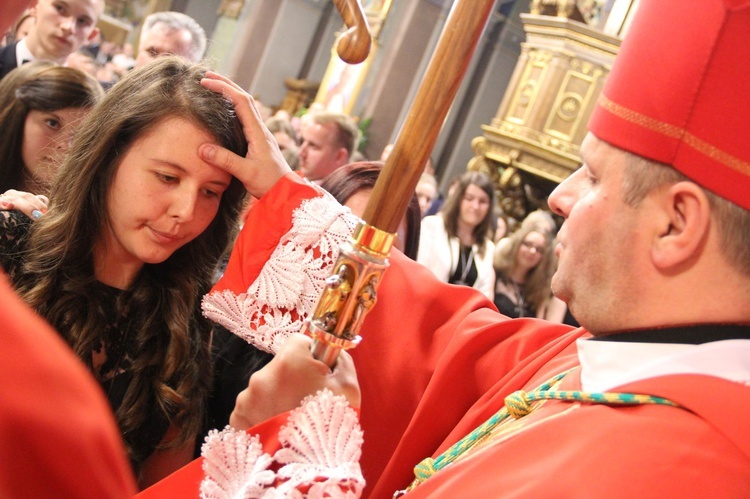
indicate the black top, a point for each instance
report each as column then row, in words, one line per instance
column 234, row 361
column 466, row 268
column 115, row 342
column 510, row 307
column 507, row 307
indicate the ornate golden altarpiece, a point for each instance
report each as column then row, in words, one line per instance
column 533, row 141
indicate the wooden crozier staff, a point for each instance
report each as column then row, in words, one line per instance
column 351, row 290
column 354, row 44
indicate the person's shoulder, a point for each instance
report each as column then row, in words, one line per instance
column 431, row 227
column 7, row 59
column 433, row 221
column 489, row 245
column 5, row 51
column 9, row 48
column 42, row 372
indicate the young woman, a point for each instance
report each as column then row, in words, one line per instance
column 352, row 184
column 136, row 224
column 457, row 243
column 524, row 266
column 41, row 106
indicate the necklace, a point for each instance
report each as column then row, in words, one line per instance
column 519, row 298
column 465, row 261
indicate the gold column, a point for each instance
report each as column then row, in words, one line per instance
column 533, row 141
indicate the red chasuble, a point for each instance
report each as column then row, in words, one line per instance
column 59, row 437
column 437, row 360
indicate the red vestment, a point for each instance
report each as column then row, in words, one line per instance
column 59, row 437
column 437, row 360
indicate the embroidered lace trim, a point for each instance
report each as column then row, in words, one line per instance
column 288, row 287
column 319, row 456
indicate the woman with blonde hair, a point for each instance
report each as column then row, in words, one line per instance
column 524, row 266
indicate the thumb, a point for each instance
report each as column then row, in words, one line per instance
column 221, row 158
column 345, row 376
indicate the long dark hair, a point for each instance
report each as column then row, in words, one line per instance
column 452, row 208
column 349, row 179
column 36, row 86
column 170, row 365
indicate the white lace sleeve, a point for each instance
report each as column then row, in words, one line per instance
column 287, row 288
column 319, row 456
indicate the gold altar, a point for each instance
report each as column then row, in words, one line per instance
column 533, row 141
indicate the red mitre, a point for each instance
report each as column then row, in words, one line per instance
column 677, row 93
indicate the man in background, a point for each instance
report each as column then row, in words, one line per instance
column 61, row 28
column 170, row 33
column 327, row 144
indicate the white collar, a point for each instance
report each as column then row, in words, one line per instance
column 23, row 53
column 609, row 364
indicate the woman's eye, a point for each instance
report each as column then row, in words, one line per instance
column 210, row 194
column 52, row 123
column 166, row 178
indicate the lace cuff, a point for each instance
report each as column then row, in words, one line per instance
column 319, row 456
column 287, row 289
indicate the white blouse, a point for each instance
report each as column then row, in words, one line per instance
column 441, row 255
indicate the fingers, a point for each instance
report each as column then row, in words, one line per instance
column 243, row 104
column 264, row 164
column 345, row 378
column 222, row 158
column 290, row 377
column 211, row 75
column 33, row 206
column 240, row 417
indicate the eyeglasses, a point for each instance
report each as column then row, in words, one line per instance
column 532, row 247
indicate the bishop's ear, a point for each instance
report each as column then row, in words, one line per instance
column 687, row 220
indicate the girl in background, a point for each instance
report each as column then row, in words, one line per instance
column 524, row 266
column 41, row 106
column 456, row 244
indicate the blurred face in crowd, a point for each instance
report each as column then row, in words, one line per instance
column 285, row 141
column 531, row 250
column 62, row 27
column 46, row 137
column 161, row 40
column 502, row 229
column 357, row 202
column 474, row 206
column 83, row 62
column 320, row 154
column 426, row 194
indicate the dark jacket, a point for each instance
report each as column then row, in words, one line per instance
column 7, row 59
